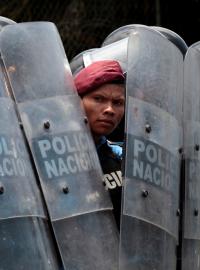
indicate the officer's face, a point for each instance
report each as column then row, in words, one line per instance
column 104, row 108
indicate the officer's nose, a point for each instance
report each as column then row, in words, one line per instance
column 109, row 109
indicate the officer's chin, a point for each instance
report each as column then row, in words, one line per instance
column 102, row 132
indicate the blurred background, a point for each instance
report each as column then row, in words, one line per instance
column 84, row 24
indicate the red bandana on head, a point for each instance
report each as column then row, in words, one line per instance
column 97, row 74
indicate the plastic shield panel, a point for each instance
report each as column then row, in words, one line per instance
column 26, row 240
column 26, row 243
column 61, row 144
column 65, row 156
column 122, row 32
column 154, row 71
column 152, row 166
column 190, row 254
column 22, row 57
column 116, row 51
column 43, row 101
column 191, row 230
column 92, row 243
column 149, row 227
column 20, row 195
column 192, row 183
column 145, row 247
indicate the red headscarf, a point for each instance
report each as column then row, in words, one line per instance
column 97, row 74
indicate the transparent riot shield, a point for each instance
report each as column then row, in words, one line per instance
column 122, row 33
column 125, row 31
column 116, row 51
column 191, row 222
column 61, row 145
column 26, row 240
column 77, row 63
column 150, row 218
column 5, row 21
column 173, row 37
column 114, row 46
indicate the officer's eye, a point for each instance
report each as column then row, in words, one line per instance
column 98, row 98
column 119, row 102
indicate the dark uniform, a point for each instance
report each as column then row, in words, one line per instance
column 110, row 156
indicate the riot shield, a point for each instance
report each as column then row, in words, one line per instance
column 116, row 51
column 122, row 33
column 150, row 217
column 26, row 240
column 114, row 46
column 61, row 145
column 78, row 63
column 5, row 21
column 173, row 37
column 191, row 223
column 125, row 31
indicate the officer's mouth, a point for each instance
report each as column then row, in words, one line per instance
column 106, row 122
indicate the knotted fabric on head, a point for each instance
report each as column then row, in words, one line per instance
column 97, row 74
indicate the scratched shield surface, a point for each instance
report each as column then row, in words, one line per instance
column 62, row 147
column 152, row 159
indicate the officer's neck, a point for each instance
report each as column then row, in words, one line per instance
column 97, row 139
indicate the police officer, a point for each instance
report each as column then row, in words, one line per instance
column 101, row 88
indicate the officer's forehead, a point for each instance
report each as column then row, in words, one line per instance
column 114, row 89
